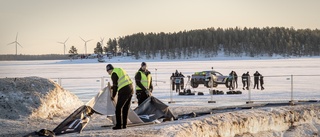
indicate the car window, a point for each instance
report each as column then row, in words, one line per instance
column 218, row 73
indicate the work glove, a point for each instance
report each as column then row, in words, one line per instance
column 148, row 92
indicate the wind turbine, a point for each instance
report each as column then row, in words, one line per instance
column 17, row 43
column 101, row 41
column 64, row 44
column 85, row 44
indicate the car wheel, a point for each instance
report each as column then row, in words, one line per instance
column 193, row 84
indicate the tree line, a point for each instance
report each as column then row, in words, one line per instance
column 209, row 42
column 34, row 57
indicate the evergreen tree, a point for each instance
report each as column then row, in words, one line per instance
column 112, row 46
column 98, row 49
column 73, row 50
column 209, row 42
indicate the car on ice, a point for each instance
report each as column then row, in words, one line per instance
column 208, row 78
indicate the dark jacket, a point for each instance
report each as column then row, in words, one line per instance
column 261, row 80
column 114, row 78
column 245, row 77
column 256, row 76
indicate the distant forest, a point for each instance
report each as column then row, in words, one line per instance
column 209, row 42
column 34, row 57
column 236, row 42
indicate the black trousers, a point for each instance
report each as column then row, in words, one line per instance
column 261, row 85
column 244, row 83
column 236, row 82
column 123, row 105
column 141, row 96
column 256, row 83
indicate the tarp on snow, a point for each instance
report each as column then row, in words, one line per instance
column 103, row 104
column 76, row 121
column 152, row 109
column 100, row 104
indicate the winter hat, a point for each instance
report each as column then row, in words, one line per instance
column 109, row 67
column 143, row 64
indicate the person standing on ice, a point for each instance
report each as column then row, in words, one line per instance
column 256, row 80
column 230, row 81
column 244, row 80
column 261, row 82
column 121, row 84
column 247, row 79
column 235, row 78
column 144, row 85
column 182, row 80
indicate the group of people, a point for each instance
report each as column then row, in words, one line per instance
column 232, row 81
column 177, row 80
column 122, row 84
column 257, row 78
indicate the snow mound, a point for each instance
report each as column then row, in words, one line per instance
column 35, row 97
column 301, row 120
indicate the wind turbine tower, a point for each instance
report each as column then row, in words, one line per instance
column 85, row 44
column 17, row 43
column 64, row 44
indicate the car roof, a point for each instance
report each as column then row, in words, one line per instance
column 210, row 71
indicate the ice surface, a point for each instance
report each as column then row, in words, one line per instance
column 84, row 77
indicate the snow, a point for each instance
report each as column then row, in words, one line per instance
column 34, row 97
column 84, row 78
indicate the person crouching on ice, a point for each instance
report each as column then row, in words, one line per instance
column 143, row 83
column 122, row 84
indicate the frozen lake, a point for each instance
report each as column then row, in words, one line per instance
column 84, row 77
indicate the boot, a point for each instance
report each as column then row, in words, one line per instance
column 116, row 127
column 124, row 126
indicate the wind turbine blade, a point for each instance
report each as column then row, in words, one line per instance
column 82, row 39
column 89, row 40
column 11, row 43
column 101, row 41
column 19, row 44
column 60, row 42
column 17, row 36
column 66, row 40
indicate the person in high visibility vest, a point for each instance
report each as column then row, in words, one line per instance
column 121, row 84
column 144, row 86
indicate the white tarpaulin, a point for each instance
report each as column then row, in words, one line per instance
column 100, row 104
column 103, row 104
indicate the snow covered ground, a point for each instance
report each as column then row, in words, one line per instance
column 83, row 77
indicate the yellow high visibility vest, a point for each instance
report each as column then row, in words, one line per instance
column 124, row 79
column 145, row 81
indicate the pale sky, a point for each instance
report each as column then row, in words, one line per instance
column 43, row 23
